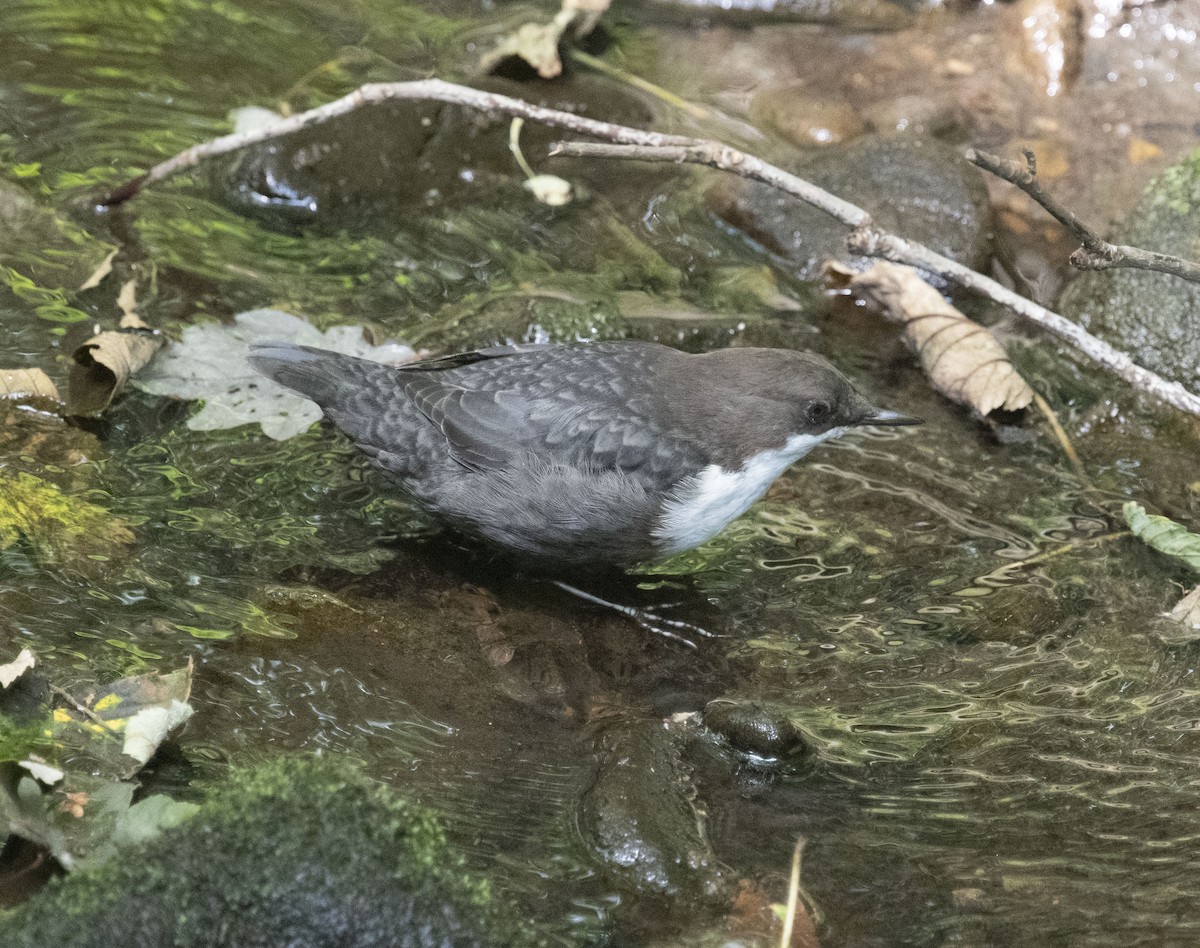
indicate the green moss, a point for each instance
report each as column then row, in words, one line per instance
column 294, row 852
column 1178, row 188
column 59, row 526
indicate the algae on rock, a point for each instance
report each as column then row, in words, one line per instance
column 1152, row 316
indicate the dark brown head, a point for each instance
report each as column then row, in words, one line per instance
column 762, row 399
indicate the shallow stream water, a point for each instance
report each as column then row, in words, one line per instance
column 1003, row 732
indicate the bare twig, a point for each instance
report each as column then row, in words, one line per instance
column 793, row 902
column 872, row 241
column 632, row 143
column 1064, row 441
column 425, row 90
column 1096, row 253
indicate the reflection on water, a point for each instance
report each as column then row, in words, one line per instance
column 1004, row 749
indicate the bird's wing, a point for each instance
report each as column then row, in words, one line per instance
column 495, row 419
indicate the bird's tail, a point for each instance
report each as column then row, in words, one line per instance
column 364, row 399
column 328, row 378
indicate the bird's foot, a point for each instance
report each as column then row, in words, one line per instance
column 652, row 620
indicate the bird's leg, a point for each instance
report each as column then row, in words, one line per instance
column 648, row 619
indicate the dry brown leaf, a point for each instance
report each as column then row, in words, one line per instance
column 586, row 13
column 1187, row 610
column 26, row 383
column 537, row 43
column 962, row 359
column 103, row 364
column 101, row 271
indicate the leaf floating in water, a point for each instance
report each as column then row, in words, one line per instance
column 1187, row 610
column 13, row 670
column 101, row 271
column 962, row 359
column 142, row 710
column 103, row 365
column 209, row 363
column 26, row 383
column 1175, row 540
column 101, row 735
column 537, row 43
column 1163, row 534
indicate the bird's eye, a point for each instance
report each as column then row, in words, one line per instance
column 818, row 412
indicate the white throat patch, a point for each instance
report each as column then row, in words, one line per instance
column 700, row 507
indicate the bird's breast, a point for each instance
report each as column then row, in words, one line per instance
column 702, row 505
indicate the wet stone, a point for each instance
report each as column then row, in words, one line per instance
column 639, row 818
column 918, row 187
column 1152, row 316
column 762, row 730
column 803, row 120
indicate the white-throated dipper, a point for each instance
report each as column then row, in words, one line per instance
column 583, row 454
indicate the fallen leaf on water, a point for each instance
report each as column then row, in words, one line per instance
column 141, row 710
column 962, row 359
column 103, row 365
column 1163, row 534
column 26, row 383
column 537, row 43
column 103, row 270
column 1141, row 150
column 44, row 772
column 100, row 735
column 1187, row 610
column 209, row 363
column 1175, row 540
column 13, row 670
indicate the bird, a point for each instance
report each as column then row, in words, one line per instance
column 580, row 455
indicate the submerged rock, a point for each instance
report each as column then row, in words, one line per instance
column 802, row 118
column 761, row 730
column 303, row 853
column 918, row 187
column 639, row 818
column 1152, row 316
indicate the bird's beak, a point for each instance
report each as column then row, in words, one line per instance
column 883, row 416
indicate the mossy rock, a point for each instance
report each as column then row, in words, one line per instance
column 1152, row 316
column 302, row 853
column 62, row 529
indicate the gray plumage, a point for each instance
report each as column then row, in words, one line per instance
column 572, row 453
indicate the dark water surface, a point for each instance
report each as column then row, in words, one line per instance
column 1004, row 750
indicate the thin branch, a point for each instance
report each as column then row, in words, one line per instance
column 632, row 143
column 870, row 240
column 1096, row 253
column 425, row 90
column 715, row 155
